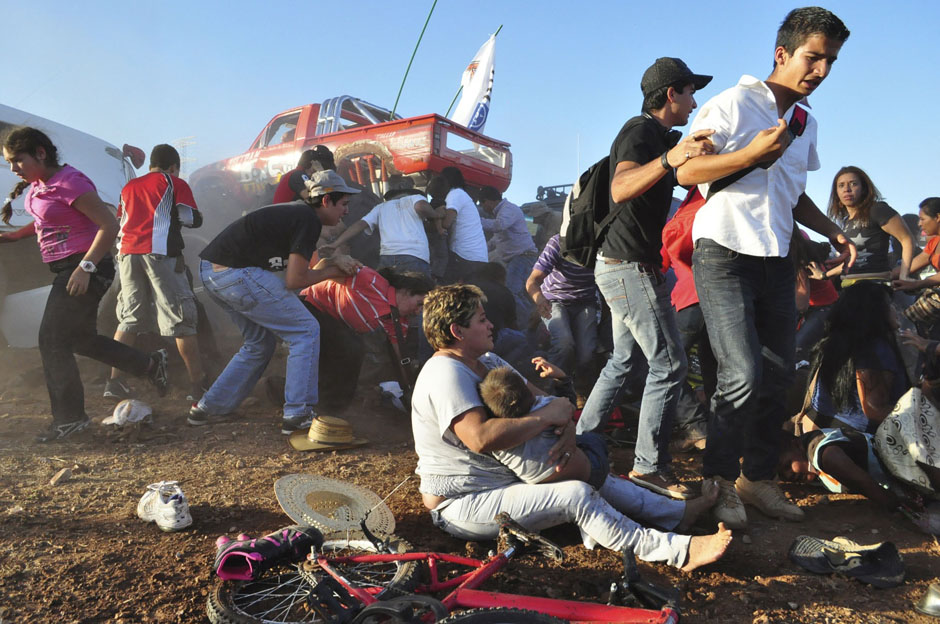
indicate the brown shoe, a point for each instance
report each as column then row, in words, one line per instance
column 664, row 483
column 767, row 496
column 729, row 508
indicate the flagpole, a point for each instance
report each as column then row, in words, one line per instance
column 453, row 101
column 401, row 88
column 456, row 95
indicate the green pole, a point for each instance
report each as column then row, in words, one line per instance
column 456, row 95
column 394, row 108
column 453, row 101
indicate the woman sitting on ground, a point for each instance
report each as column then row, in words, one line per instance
column 929, row 220
column 465, row 487
column 858, row 373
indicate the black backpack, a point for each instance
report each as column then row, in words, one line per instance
column 587, row 215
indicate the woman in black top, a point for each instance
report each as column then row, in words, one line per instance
column 857, row 206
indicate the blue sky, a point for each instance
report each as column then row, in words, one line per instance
column 567, row 73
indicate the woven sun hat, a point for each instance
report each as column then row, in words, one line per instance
column 326, row 433
column 332, row 505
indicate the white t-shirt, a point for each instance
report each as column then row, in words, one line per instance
column 445, row 389
column 753, row 216
column 400, row 226
column 466, row 233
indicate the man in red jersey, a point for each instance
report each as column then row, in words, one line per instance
column 155, row 290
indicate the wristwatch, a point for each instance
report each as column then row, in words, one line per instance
column 87, row 266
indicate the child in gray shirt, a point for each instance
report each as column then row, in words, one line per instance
column 505, row 395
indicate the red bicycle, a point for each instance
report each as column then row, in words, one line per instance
column 364, row 580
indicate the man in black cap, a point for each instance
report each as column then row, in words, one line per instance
column 642, row 162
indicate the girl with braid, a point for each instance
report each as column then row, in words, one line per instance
column 75, row 230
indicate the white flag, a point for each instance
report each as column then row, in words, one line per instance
column 477, row 83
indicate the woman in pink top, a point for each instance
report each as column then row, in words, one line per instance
column 75, row 231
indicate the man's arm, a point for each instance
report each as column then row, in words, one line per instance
column 298, row 275
column 632, row 179
column 426, row 211
column 834, row 461
column 767, row 146
column 806, row 213
column 348, row 234
column 533, row 286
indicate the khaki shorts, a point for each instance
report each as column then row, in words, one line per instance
column 153, row 285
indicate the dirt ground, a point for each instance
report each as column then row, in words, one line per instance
column 76, row 551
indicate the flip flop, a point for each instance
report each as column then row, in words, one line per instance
column 880, row 565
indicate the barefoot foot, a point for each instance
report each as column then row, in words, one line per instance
column 708, row 549
column 697, row 506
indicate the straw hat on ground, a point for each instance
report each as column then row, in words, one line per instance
column 326, row 433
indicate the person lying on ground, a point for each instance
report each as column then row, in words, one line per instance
column 465, row 487
column 846, row 460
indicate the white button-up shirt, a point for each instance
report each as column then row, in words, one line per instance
column 754, row 215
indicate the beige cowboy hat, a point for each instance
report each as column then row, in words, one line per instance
column 332, row 505
column 326, row 433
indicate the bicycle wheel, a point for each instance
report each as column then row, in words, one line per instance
column 278, row 597
column 384, row 579
column 501, row 616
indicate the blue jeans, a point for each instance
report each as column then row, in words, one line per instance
column 518, row 269
column 264, row 310
column 749, row 305
column 404, row 262
column 644, row 324
column 573, row 328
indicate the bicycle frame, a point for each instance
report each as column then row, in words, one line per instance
column 464, row 593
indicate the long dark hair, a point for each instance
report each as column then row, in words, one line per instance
column 26, row 140
column 838, row 212
column 860, row 319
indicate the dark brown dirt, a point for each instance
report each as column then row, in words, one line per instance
column 76, row 552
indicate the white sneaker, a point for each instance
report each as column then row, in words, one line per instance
column 165, row 504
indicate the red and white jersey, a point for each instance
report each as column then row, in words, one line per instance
column 363, row 301
column 151, row 212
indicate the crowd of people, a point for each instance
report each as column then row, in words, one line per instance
column 730, row 278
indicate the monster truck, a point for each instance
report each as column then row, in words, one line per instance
column 369, row 145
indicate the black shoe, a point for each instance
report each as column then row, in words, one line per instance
column 157, row 371
column 62, row 430
column 117, row 389
column 198, row 417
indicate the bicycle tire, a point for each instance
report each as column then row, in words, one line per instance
column 391, row 579
column 278, row 597
column 501, row 616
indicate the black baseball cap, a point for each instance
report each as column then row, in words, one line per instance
column 666, row 71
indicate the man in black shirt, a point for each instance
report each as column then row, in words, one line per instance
column 237, row 270
column 628, row 273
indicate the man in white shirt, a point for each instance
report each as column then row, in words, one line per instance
column 743, row 273
column 400, row 222
column 513, row 243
